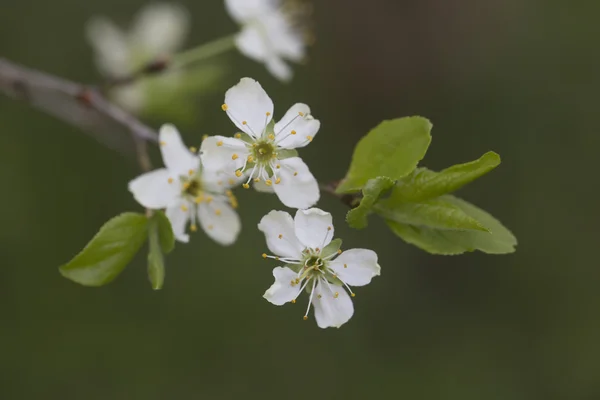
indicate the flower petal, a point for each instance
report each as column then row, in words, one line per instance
column 248, row 102
column 219, row 180
column 278, row 68
column 282, row 291
column 278, row 227
column 356, row 267
column 313, row 227
column 220, row 222
column 110, row 45
column 251, row 43
column 298, row 188
column 301, row 123
column 177, row 158
column 261, row 186
column 223, row 153
column 285, row 39
column 160, row 28
column 245, row 10
column 331, row 311
column 153, row 190
column 179, row 218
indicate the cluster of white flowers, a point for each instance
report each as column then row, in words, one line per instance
column 196, row 188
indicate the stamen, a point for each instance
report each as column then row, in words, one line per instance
column 256, row 180
column 250, row 158
column 220, row 143
column 280, row 236
column 184, row 208
column 277, row 181
column 204, row 137
column 238, row 173
column 271, row 136
column 191, row 172
column 170, row 180
column 193, row 228
column 234, row 156
column 231, row 181
column 293, row 132
column 268, row 182
column 312, row 292
column 193, row 149
column 224, row 107
column 163, row 143
column 309, row 138
column 237, row 135
column 246, row 186
column 217, row 212
column 295, row 173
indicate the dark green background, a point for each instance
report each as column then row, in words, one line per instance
column 519, row 77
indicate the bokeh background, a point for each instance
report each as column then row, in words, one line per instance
column 516, row 76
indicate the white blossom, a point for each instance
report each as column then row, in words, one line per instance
column 315, row 263
column 272, row 31
column 158, row 31
column 189, row 192
column 264, row 151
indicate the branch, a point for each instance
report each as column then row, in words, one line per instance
column 79, row 105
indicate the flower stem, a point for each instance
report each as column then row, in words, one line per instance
column 204, row 51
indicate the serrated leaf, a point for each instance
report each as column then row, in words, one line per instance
column 156, row 262
column 435, row 213
column 357, row 218
column 109, row 252
column 392, row 149
column 423, row 184
column 331, row 248
column 165, row 232
column 436, row 241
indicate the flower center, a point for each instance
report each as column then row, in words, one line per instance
column 192, row 187
column 263, row 152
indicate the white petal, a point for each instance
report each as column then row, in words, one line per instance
column 329, row 310
column 177, row 158
column 261, row 186
column 245, row 10
column 219, row 221
column 282, row 291
column 248, row 102
column 153, row 190
column 179, row 219
column 356, row 267
column 112, row 51
column 298, row 120
column 278, row 227
column 298, row 188
column 223, row 153
column 285, row 39
column 278, row 68
column 251, row 43
column 313, row 227
column 160, row 28
column 218, row 181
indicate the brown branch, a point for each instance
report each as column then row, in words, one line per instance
column 79, row 105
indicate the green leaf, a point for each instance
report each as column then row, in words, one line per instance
column 286, row 153
column 156, row 262
column 392, row 149
column 425, row 184
column 165, row 232
column 357, row 217
column 109, row 252
column 437, row 241
column 331, row 248
column 436, row 213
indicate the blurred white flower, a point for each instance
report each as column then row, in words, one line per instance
column 158, row 31
column 272, row 31
column 188, row 192
column 314, row 262
column 264, row 152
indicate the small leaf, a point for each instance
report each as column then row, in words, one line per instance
column 392, row 149
column 331, row 248
column 165, row 232
column 156, row 263
column 109, row 252
column 425, row 184
column 436, row 241
column 357, row 217
column 436, row 213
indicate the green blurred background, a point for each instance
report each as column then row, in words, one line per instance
column 519, row 77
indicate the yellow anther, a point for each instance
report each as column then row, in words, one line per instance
column 186, row 185
column 224, row 107
column 309, row 138
column 297, row 281
column 193, row 228
column 277, row 258
column 170, row 180
column 271, row 136
column 244, row 122
column 295, row 174
column 193, row 149
column 256, row 179
column 229, row 192
column 210, row 227
column 293, row 301
column 231, row 181
column 334, row 275
column 319, row 296
column 250, row 159
column 317, row 249
column 208, row 199
column 277, row 181
column 204, row 137
column 268, row 114
column 292, row 283
column 163, row 143
column 238, row 173
column 199, row 199
column 345, row 265
column 191, row 172
column 353, row 295
column 268, row 182
column 336, row 295
column 264, row 255
column 220, row 143
column 246, row 186
column 293, row 132
column 237, row 135
column 300, row 113
column 184, row 208
column 280, row 236
column 305, row 318
column 339, row 251
column 278, row 166
column 217, row 212
column 234, row 156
